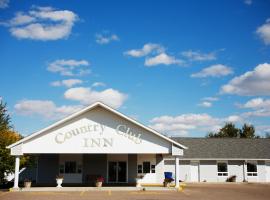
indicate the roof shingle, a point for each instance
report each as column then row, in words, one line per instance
column 231, row 148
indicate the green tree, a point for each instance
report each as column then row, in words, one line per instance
column 227, row 131
column 7, row 162
column 7, row 137
column 248, row 131
column 4, row 117
column 230, row 131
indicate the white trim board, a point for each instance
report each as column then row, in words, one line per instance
column 90, row 108
column 223, row 159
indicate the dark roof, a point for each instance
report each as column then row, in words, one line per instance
column 231, row 148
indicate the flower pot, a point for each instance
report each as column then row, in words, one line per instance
column 166, row 184
column 27, row 184
column 59, row 182
column 138, row 182
column 98, row 184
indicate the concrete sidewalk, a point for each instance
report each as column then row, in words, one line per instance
column 76, row 189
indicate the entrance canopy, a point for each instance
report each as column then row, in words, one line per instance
column 97, row 129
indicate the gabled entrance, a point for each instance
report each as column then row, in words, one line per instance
column 98, row 130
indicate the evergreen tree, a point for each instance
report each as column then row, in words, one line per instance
column 248, row 131
column 4, row 117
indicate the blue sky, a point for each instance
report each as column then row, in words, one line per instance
column 184, row 67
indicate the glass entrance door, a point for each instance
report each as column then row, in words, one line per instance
column 117, row 171
column 112, row 172
column 122, row 172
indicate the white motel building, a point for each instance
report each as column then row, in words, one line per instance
column 100, row 141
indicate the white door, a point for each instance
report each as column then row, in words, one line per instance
column 267, row 169
column 194, row 171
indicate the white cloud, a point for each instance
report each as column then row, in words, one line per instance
column 44, row 108
column 88, row 96
column 264, row 32
column 257, row 103
column 262, row 129
column 67, row 82
column 199, row 56
column 210, row 99
column 205, row 104
column 183, row 124
column 260, row 107
column 256, row 82
column 4, row 3
column 257, row 113
column 248, row 2
column 162, row 59
column 147, row 49
column 69, row 67
column 98, row 84
column 21, row 19
column 42, row 23
column 213, row 71
column 158, row 55
column 233, row 119
column 105, row 39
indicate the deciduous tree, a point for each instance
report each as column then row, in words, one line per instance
column 229, row 130
column 7, row 137
column 247, row 131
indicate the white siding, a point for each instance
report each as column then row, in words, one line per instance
column 208, row 171
column 236, row 168
column 169, row 166
column 261, row 171
column 75, row 136
column 267, row 169
column 159, row 169
column 184, row 170
column 148, row 177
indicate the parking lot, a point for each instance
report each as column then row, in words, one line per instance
column 192, row 191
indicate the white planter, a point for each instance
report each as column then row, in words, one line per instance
column 59, row 182
column 166, row 184
column 27, row 184
column 138, row 182
column 99, row 184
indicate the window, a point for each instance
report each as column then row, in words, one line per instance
column 222, row 168
column 146, row 167
column 153, row 168
column 251, row 169
column 70, row 167
column 79, row 170
column 61, row 169
column 139, row 169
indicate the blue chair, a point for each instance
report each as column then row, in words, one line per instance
column 169, row 175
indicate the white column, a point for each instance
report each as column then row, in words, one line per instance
column 16, row 175
column 244, row 170
column 177, row 172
